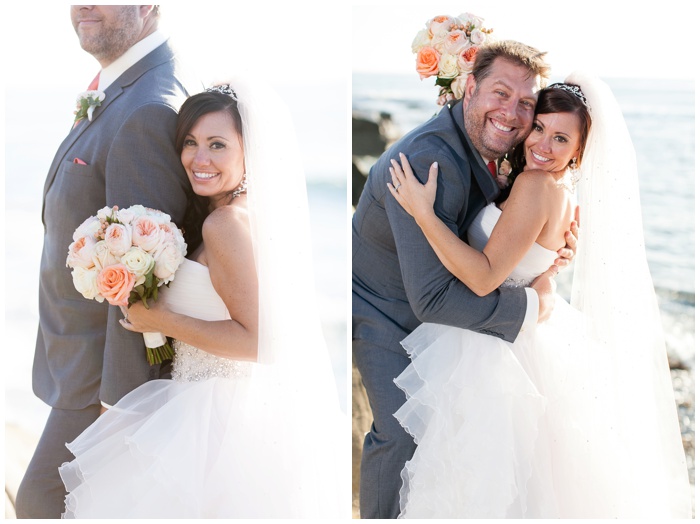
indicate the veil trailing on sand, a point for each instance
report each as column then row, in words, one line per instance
column 612, row 286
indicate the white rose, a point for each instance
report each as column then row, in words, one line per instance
column 159, row 217
column 85, row 281
column 105, row 212
column 139, row 263
column 448, row 66
column 118, row 238
column 88, row 228
column 80, row 253
column 438, row 41
column 469, row 19
column 478, row 37
column 168, row 259
column 458, row 85
column 422, row 39
column 102, row 256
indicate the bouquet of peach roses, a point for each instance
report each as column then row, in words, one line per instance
column 446, row 48
column 124, row 256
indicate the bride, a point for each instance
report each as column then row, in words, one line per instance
column 250, row 425
column 574, row 419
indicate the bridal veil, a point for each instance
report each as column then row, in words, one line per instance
column 612, row 286
column 294, row 369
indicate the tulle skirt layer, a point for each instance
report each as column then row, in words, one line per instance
column 550, row 426
column 217, row 448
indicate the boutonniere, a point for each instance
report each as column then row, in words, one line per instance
column 504, row 170
column 86, row 104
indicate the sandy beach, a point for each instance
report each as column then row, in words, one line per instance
column 19, row 447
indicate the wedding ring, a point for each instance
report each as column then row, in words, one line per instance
column 397, row 187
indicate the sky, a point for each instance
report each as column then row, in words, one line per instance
column 610, row 38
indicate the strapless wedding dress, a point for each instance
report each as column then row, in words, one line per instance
column 523, row 430
column 210, row 443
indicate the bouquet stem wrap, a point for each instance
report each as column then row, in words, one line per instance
column 158, row 348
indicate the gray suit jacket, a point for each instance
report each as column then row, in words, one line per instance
column 82, row 353
column 397, row 280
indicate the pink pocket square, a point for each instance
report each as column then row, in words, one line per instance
column 76, row 160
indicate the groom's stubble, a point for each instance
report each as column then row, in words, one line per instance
column 110, row 32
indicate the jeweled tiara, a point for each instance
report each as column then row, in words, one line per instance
column 573, row 89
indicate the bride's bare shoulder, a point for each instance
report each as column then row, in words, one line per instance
column 228, row 222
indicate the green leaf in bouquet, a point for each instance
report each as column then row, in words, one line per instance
column 443, row 82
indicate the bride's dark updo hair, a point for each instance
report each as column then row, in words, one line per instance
column 195, row 107
column 553, row 99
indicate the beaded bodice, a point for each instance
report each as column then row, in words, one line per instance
column 192, row 364
column 192, row 293
column 535, row 262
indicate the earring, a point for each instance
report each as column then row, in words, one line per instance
column 574, row 171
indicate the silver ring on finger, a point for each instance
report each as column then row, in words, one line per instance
column 397, row 187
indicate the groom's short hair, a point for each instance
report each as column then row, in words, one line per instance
column 515, row 52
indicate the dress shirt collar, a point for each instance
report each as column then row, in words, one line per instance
column 135, row 53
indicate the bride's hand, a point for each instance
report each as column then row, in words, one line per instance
column 141, row 320
column 416, row 199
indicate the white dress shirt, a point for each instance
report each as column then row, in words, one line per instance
column 135, row 53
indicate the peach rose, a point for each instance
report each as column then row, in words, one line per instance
column 440, row 24
column 118, row 238
column 115, row 283
column 466, row 58
column 455, row 41
column 80, row 253
column 146, row 233
column 427, row 62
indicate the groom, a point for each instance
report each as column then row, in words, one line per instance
column 398, row 281
column 123, row 155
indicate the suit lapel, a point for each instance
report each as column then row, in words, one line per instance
column 479, row 171
column 158, row 56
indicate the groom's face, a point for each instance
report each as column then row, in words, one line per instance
column 106, row 31
column 498, row 112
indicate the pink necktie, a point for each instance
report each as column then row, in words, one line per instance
column 95, row 82
column 492, row 167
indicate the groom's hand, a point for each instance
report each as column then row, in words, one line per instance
column 567, row 253
column 546, row 287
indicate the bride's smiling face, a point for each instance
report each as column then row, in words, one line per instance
column 554, row 140
column 212, row 155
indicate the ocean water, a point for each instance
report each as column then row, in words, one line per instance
column 36, row 121
column 661, row 120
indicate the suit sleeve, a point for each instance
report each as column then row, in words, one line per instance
column 434, row 294
column 142, row 168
